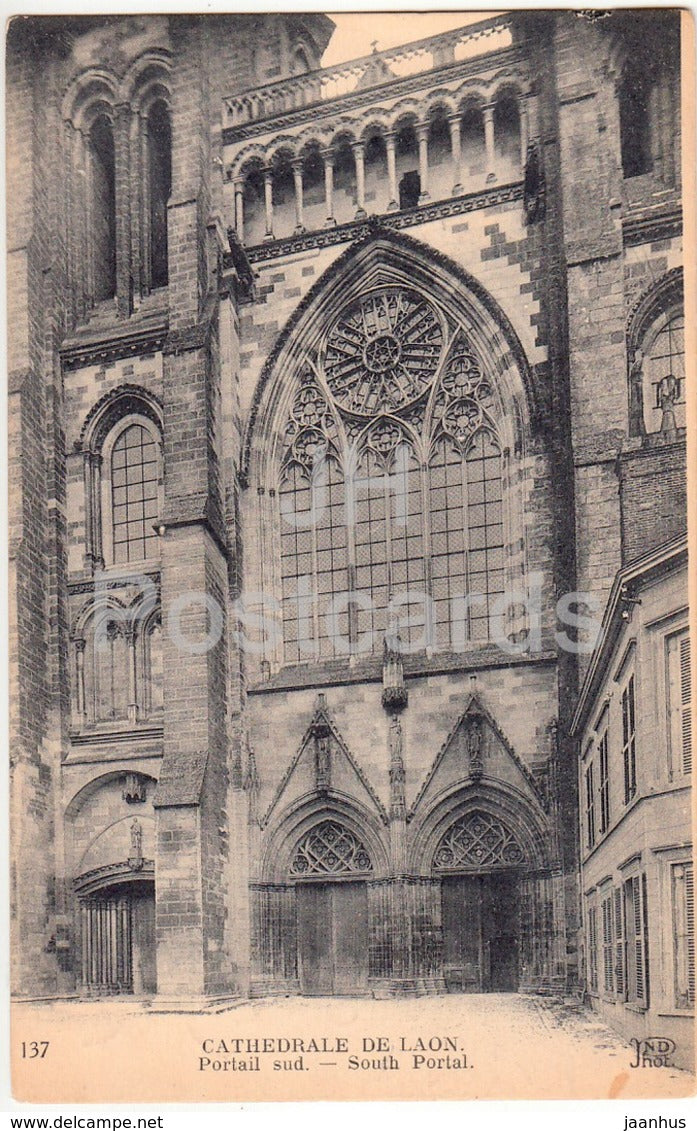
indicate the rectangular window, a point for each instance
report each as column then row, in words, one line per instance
column 684, row 934
column 590, row 806
column 608, row 945
column 679, row 696
column 629, row 740
column 637, row 949
column 593, row 948
column 604, row 784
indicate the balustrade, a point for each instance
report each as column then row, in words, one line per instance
column 305, row 90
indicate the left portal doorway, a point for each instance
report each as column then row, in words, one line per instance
column 117, row 936
column 332, row 938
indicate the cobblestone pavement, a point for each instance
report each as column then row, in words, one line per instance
column 487, row 1046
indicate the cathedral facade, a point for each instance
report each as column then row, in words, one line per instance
column 338, row 398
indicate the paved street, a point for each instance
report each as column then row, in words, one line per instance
column 455, row 1047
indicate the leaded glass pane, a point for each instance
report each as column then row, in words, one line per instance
column 134, row 495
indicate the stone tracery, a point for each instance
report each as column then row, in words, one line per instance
column 311, row 428
column 330, row 849
column 477, row 840
column 465, row 401
column 382, row 351
column 431, row 432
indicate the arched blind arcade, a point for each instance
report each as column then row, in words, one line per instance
column 391, row 487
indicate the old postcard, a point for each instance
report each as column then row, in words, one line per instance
column 349, row 404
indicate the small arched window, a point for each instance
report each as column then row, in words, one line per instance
column 407, row 162
column 135, row 476
column 103, row 208
column 507, row 132
column 159, row 135
column 117, row 666
column 300, row 65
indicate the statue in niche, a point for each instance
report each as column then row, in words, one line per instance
column 323, row 759
column 667, row 396
column 475, row 747
column 134, row 789
column 636, row 394
column 397, row 774
column 395, row 739
column 135, row 858
column 394, row 693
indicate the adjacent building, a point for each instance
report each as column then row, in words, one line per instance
column 635, row 723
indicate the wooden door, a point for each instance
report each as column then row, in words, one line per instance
column 481, row 932
column 350, row 930
column 501, row 924
column 143, row 937
column 462, row 933
column 314, row 911
column 105, row 943
column 332, row 923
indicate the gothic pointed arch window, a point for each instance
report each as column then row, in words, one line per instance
column 466, row 502
column 388, row 538
column 656, row 354
column 664, row 373
column 313, row 529
column 391, row 486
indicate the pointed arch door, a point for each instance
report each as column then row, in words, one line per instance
column 479, row 860
column 331, row 867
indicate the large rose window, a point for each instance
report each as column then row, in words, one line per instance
column 382, row 351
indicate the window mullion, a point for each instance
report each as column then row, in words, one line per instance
column 315, row 584
column 349, row 518
column 464, row 500
column 425, row 519
column 388, row 543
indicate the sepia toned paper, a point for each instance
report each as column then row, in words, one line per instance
column 350, row 675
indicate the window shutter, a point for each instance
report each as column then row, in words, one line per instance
column 685, row 705
column 690, row 921
column 608, row 945
column 641, row 973
column 620, row 957
column 592, row 949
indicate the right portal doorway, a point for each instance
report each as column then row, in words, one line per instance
column 481, row 932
